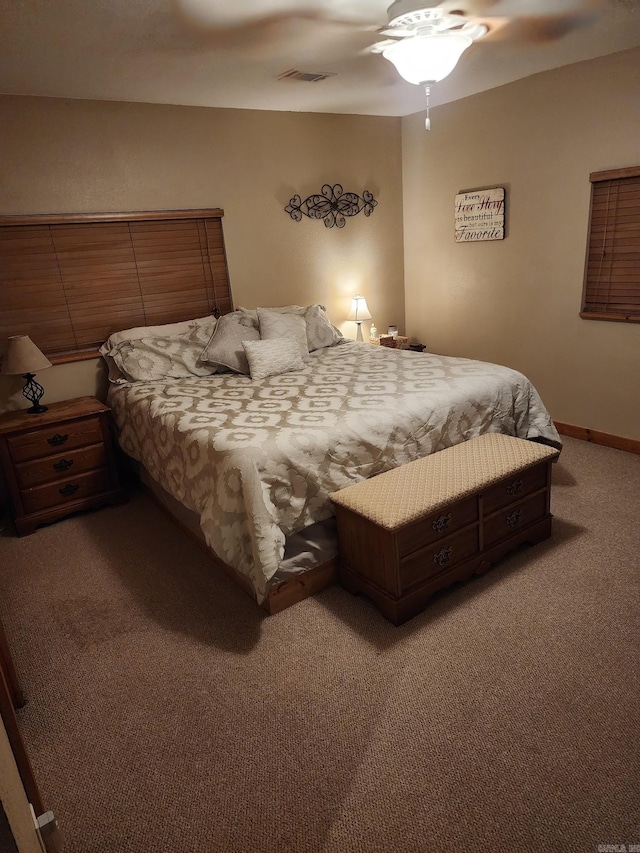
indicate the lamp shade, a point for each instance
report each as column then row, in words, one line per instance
column 23, row 356
column 359, row 311
column 427, row 58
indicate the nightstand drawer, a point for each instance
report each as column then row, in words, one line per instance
column 421, row 533
column 54, row 439
column 61, row 466
column 66, row 491
column 511, row 489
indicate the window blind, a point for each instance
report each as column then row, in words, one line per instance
column 612, row 269
column 69, row 282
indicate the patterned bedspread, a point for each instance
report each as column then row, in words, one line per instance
column 257, row 460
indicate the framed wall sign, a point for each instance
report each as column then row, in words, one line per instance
column 480, row 215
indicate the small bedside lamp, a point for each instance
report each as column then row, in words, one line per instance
column 358, row 313
column 24, row 358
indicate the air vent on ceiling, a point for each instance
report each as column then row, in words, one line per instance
column 304, row 76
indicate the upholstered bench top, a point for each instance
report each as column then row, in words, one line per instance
column 422, row 487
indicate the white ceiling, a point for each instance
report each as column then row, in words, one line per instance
column 140, row 50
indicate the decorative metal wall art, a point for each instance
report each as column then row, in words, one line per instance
column 332, row 204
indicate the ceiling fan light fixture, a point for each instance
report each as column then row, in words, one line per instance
column 429, row 57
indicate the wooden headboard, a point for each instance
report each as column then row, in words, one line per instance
column 70, row 280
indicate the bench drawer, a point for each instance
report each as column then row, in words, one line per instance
column 438, row 557
column 438, row 526
column 509, row 520
column 511, row 489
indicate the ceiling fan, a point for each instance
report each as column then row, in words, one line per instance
column 425, row 43
column 424, row 39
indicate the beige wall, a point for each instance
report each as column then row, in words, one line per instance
column 73, row 156
column 516, row 301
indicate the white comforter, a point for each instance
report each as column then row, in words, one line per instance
column 257, row 460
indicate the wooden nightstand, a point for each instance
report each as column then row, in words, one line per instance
column 58, row 462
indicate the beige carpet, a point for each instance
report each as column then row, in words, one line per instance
column 168, row 714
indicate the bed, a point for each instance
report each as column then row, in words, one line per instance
column 254, row 460
column 244, row 459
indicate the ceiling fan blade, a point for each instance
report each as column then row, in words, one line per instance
column 231, row 14
column 307, row 37
column 225, row 14
column 268, row 28
column 529, row 8
column 539, row 28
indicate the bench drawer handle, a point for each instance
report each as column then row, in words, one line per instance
column 442, row 523
column 514, row 519
column 443, row 556
column 57, row 439
column 514, row 488
column 63, row 465
column 69, row 489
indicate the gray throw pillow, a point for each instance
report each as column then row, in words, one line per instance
column 280, row 326
column 320, row 331
column 270, row 358
column 225, row 345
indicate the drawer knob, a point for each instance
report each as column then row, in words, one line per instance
column 63, row 465
column 69, row 489
column 57, row 439
column 443, row 556
column 514, row 519
column 514, row 488
column 442, row 523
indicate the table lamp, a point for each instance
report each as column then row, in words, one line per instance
column 23, row 358
column 358, row 313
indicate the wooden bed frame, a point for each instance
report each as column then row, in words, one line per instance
column 124, row 270
column 280, row 595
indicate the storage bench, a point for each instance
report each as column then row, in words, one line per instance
column 418, row 528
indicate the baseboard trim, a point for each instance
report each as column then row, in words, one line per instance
column 631, row 445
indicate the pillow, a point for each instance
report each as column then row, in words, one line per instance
column 186, row 327
column 275, row 325
column 225, row 345
column 272, row 357
column 247, row 317
column 252, row 313
column 198, row 330
column 320, row 332
column 160, row 357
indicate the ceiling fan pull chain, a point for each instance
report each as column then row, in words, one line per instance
column 427, row 121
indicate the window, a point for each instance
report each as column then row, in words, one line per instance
column 70, row 281
column 612, row 269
